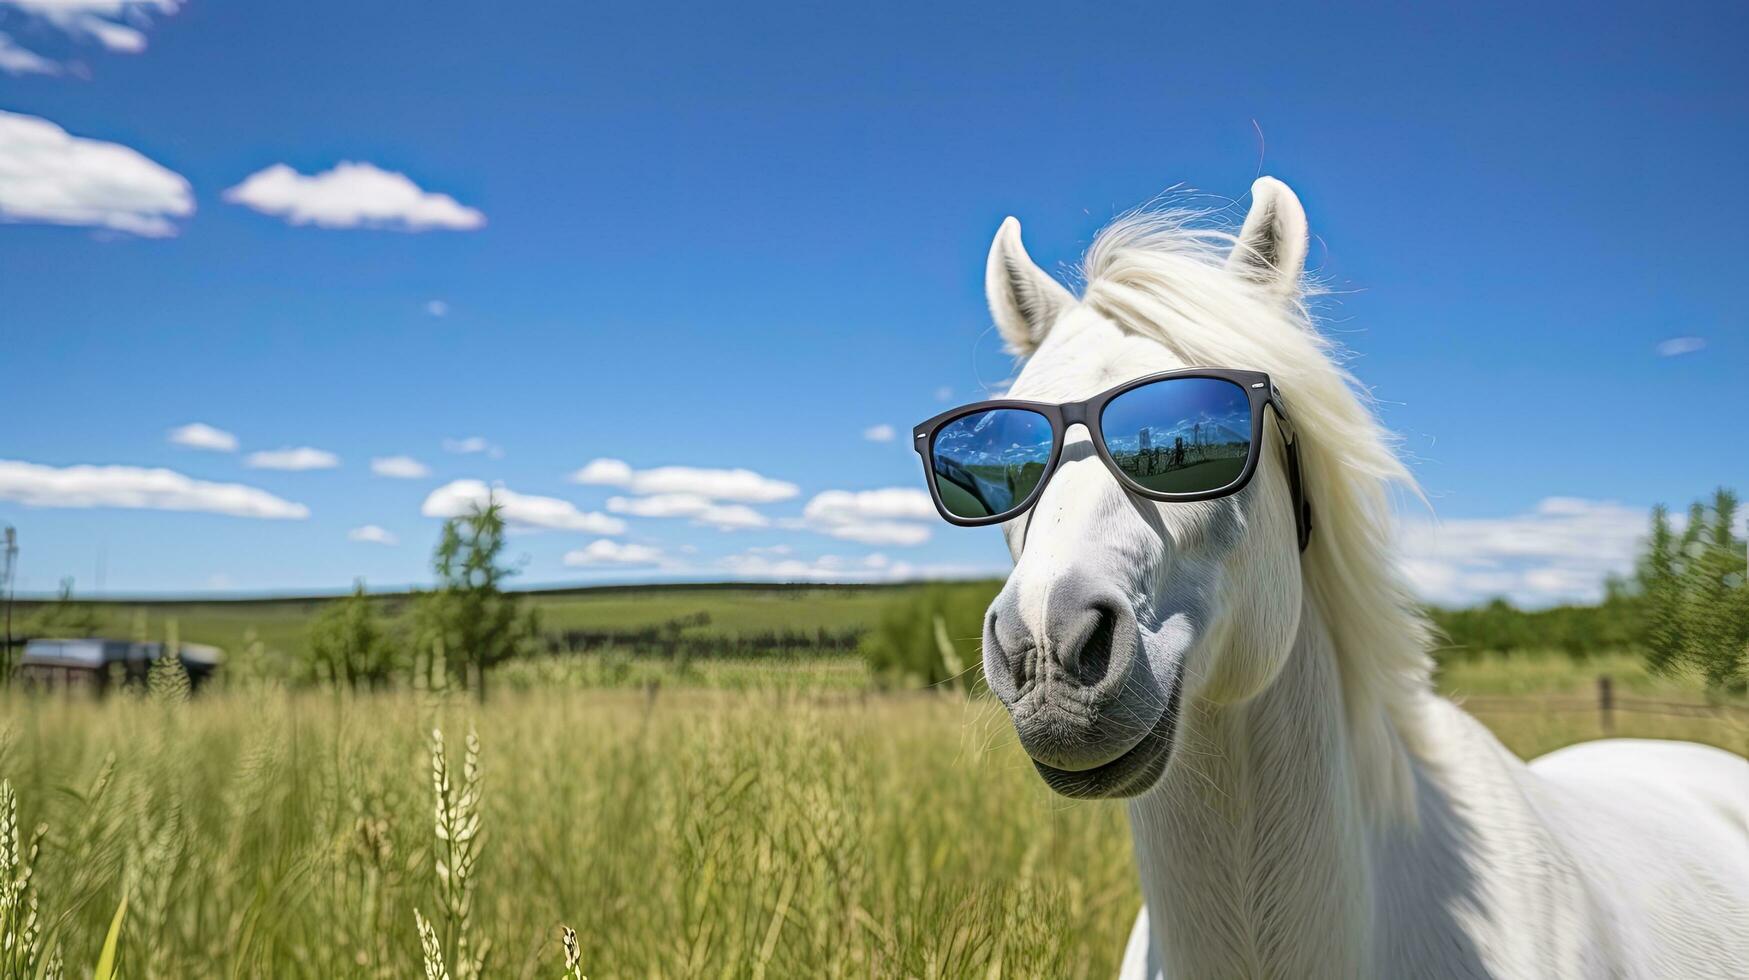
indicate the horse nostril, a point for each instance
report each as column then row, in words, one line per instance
column 1006, row 659
column 1087, row 643
column 1092, row 662
column 1093, row 646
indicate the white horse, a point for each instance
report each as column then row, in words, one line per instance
column 1302, row 803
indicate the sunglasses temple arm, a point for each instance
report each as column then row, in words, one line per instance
column 1295, row 483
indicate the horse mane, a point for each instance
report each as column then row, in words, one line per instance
column 1162, row 274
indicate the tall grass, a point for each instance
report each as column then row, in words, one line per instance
column 758, row 824
column 24, row 952
column 682, row 833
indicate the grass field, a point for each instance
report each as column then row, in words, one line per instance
column 809, row 830
column 282, row 625
column 698, row 834
column 732, row 816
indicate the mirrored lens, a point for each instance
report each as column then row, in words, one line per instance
column 988, row 463
column 1182, row 435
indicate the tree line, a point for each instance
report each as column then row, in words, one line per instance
column 672, row 640
column 1685, row 606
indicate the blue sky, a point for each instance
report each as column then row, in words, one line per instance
column 739, row 239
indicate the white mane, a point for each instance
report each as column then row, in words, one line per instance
column 1163, row 275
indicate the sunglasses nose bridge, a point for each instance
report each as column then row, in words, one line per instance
column 1077, row 429
column 1076, row 434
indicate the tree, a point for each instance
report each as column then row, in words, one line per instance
column 1696, row 599
column 1719, row 630
column 65, row 617
column 1662, row 592
column 476, row 622
column 348, row 645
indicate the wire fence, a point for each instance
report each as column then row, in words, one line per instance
column 1607, row 703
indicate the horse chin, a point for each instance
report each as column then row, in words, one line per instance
column 1131, row 774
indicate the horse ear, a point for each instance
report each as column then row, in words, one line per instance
column 1024, row 300
column 1272, row 246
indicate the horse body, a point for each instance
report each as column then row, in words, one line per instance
column 1259, row 858
column 1319, row 811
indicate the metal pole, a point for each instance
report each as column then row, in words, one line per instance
column 6, row 582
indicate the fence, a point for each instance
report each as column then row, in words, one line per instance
column 1607, row 703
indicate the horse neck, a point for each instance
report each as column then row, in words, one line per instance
column 1255, row 847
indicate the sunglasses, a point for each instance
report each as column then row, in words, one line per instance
column 1176, row 436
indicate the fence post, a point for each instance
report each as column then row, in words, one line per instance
column 1606, row 704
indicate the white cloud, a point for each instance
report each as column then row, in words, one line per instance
column 199, row 435
column 136, row 487
column 732, row 517
column 292, row 458
column 437, row 307
column 879, row 532
column 49, row 175
column 605, row 552
column 1560, row 552
column 871, row 516
column 775, row 564
column 372, row 534
column 660, row 505
column 739, row 485
column 703, row 510
column 891, row 503
column 471, row 445
column 879, row 433
column 16, row 60
column 605, row 472
column 352, row 195
column 944, row 394
column 826, row 568
column 460, row 496
column 399, row 467
column 1677, row 346
column 115, row 24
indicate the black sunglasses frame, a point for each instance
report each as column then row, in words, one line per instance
column 1256, row 385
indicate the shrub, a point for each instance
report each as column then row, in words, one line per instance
column 930, row 636
column 347, row 643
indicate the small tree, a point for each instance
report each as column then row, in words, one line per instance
column 66, row 616
column 476, row 622
column 1696, row 599
column 347, row 642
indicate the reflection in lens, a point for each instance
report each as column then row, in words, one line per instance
column 1181, row 435
column 989, row 462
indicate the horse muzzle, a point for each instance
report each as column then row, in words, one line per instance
column 1085, row 702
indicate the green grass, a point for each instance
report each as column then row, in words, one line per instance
column 607, row 671
column 1537, row 703
column 1555, row 673
column 696, row 833
column 732, row 610
column 282, row 624
column 733, row 817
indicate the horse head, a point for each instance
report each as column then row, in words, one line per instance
column 1120, row 609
